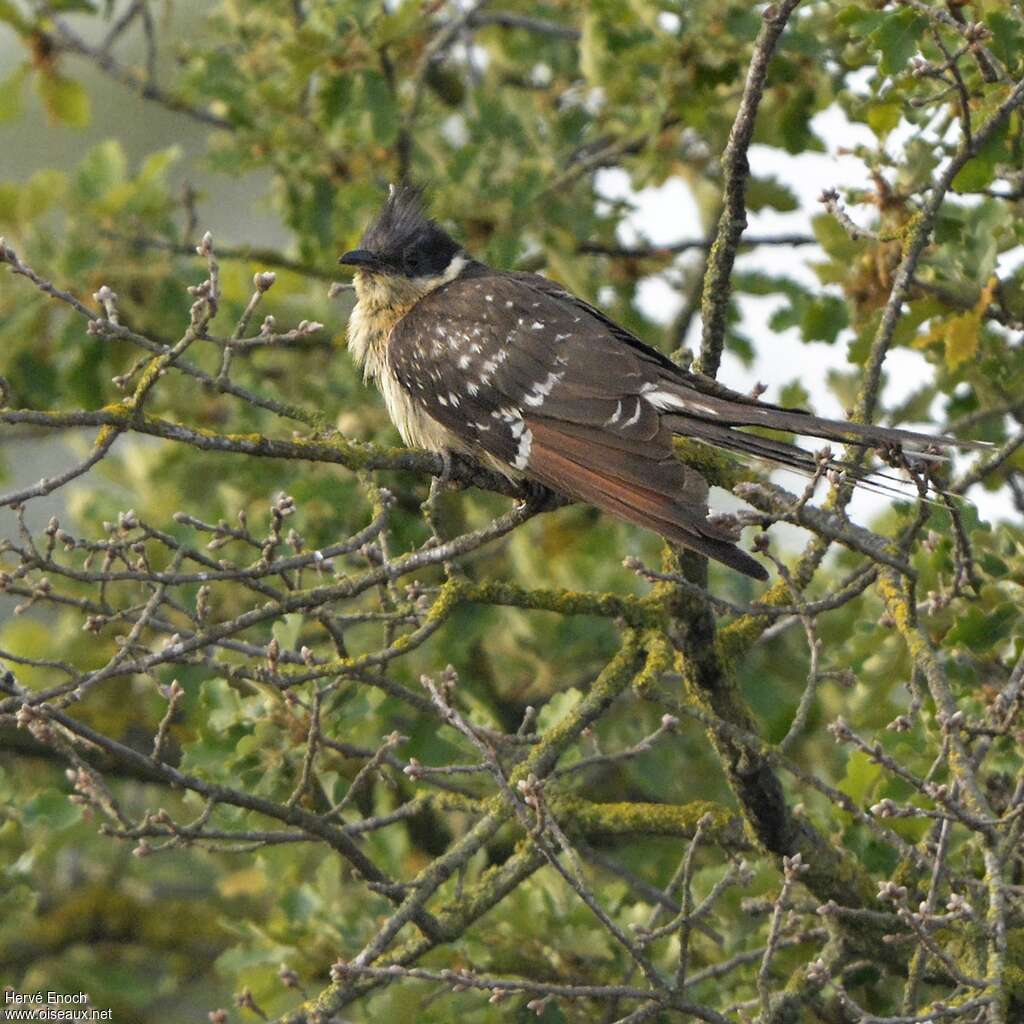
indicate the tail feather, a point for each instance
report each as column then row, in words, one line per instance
column 694, row 405
column 719, row 421
column 746, row 444
column 650, row 496
column 847, row 432
column 791, row 456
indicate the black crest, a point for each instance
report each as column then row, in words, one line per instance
column 405, row 239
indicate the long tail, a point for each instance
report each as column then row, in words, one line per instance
column 714, row 419
column 843, row 430
column 641, row 484
column 693, row 405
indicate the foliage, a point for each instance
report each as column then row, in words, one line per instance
column 287, row 728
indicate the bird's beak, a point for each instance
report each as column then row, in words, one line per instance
column 361, row 259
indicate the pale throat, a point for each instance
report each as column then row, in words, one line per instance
column 381, row 301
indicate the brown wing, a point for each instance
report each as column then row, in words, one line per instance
column 707, row 409
column 542, row 384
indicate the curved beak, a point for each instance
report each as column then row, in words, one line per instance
column 362, row 259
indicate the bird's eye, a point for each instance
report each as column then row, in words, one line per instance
column 413, row 260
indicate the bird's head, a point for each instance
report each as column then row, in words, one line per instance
column 403, row 253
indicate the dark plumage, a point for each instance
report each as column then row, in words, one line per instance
column 514, row 368
column 403, row 240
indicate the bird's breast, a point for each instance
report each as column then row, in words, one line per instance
column 368, row 331
column 418, row 429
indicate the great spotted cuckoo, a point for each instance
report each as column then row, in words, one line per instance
column 517, row 371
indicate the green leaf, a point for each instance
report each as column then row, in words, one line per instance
column 919, row 160
column 380, row 103
column 794, row 395
column 11, row 89
column 155, row 167
column 9, row 204
column 757, row 282
column 66, row 100
column 862, row 777
column 335, row 97
column 51, row 809
column 36, row 381
column 857, row 16
column 593, row 48
column 743, row 23
column 287, row 630
column 222, row 706
column 844, row 386
column 560, row 705
column 993, row 565
column 835, row 240
column 401, row 22
column 981, row 630
column 41, row 192
column 103, row 169
column 322, row 211
column 961, row 338
column 962, row 333
column 768, row 192
column 917, row 313
column 823, row 319
column 884, row 117
column 10, row 14
column 897, row 39
column 16, row 900
column 980, row 170
column 793, row 126
column 1007, row 41
column 739, row 345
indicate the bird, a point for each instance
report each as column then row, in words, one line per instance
column 513, row 369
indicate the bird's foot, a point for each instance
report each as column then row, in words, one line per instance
column 537, row 498
column 447, row 465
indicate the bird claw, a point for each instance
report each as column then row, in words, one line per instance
column 447, row 466
column 537, row 498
